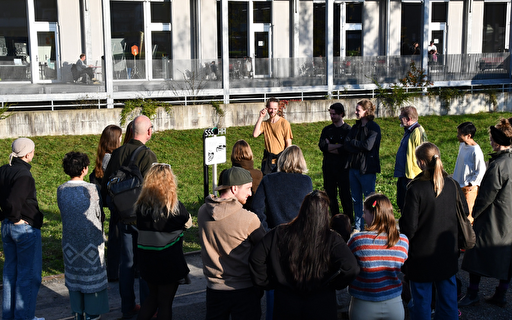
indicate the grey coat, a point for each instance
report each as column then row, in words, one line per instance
column 492, row 254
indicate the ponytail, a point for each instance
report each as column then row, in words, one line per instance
column 428, row 153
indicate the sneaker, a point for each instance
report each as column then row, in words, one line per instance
column 133, row 313
column 36, row 318
column 469, row 300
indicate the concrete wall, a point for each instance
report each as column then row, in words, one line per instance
column 92, row 121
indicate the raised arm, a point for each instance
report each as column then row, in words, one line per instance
column 257, row 127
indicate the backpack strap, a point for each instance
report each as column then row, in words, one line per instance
column 135, row 154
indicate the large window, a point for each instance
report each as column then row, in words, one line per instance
column 45, row 10
column 13, row 30
column 411, row 29
column 348, row 27
column 127, row 24
column 237, row 13
column 494, row 27
column 319, row 30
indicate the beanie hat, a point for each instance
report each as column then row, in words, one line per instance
column 234, row 176
column 21, row 147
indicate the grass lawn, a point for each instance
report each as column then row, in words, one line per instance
column 183, row 150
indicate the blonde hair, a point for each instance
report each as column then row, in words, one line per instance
column 159, row 194
column 292, row 161
column 369, row 107
column 241, row 151
column 383, row 217
column 428, row 153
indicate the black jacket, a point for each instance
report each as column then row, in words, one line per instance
column 363, row 143
column 18, row 194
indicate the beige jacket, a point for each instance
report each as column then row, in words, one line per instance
column 227, row 234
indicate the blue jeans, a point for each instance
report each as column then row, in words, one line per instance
column 360, row 184
column 128, row 268
column 446, row 300
column 22, row 270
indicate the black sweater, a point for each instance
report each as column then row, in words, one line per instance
column 18, row 194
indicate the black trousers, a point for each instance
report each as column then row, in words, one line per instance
column 337, row 182
column 239, row 304
column 401, row 188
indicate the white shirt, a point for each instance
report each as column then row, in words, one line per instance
column 470, row 165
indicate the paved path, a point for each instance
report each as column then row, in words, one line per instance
column 189, row 303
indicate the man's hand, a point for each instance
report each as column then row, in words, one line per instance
column 263, row 113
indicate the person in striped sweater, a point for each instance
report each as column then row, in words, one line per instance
column 381, row 251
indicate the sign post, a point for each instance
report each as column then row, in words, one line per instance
column 214, row 152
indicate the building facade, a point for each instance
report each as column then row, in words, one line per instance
column 244, row 44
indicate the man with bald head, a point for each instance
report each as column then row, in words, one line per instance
column 143, row 130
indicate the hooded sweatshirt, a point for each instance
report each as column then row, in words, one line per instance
column 227, row 234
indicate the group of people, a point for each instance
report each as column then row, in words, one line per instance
column 268, row 229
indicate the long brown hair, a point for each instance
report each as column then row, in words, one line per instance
column 159, row 194
column 109, row 141
column 241, row 151
column 429, row 159
column 383, row 218
column 369, row 107
column 304, row 244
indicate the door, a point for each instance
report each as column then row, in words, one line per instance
column 261, row 54
column 47, row 58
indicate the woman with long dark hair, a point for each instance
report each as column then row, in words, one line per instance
column 380, row 251
column 161, row 220
column 304, row 261
column 430, row 222
column 110, row 140
column 242, row 156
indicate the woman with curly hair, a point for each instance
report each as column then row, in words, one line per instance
column 491, row 256
column 304, row 261
column 161, row 220
column 380, row 251
column 363, row 144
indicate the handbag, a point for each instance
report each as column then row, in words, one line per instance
column 466, row 236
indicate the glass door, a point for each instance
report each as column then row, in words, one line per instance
column 47, row 59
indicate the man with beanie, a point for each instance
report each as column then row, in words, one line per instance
column 227, row 233
column 334, row 165
column 21, row 233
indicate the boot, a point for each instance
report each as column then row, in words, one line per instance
column 498, row 298
column 470, row 299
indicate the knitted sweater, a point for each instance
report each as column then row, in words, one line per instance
column 279, row 197
column 83, row 241
column 380, row 266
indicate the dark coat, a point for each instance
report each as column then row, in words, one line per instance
column 431, row 225
column 18, row 194
column 363, row 144
column 279, row 197
column 492, row 254
column 268, row 271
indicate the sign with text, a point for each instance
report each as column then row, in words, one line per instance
column 215, row 150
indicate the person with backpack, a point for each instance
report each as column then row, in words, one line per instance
column 142, row 131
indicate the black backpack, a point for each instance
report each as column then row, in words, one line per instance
column 123, row 188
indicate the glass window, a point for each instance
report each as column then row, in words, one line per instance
column 161, row 12
column 439, row 10
column 161, row 53
column 336, row 30
column 494, row 27
column 262, row 12
column 127, row 24
column 411, row 28
column 319, row 30
column 354, row 12
column 46, row 10
column 237, row 24
column 353, row 44
column 13, row 30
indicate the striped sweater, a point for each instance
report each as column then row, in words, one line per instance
column 378, row 279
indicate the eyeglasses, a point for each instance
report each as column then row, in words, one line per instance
column 161, row 164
